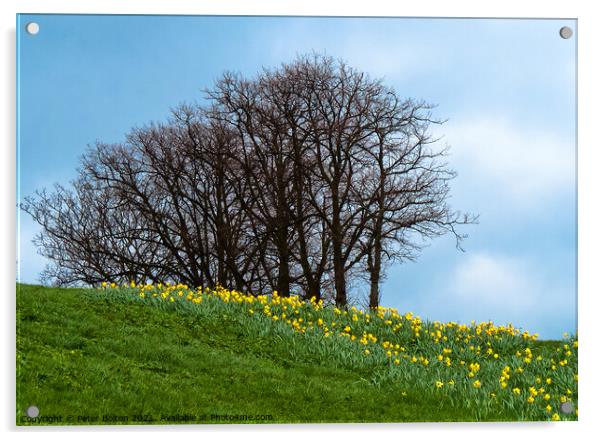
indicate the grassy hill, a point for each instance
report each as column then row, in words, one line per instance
column 171, row 356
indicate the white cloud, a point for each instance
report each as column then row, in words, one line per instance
column 390, row 59
column 393, row 55
column 504, row 288
column 521, row 163
column 497, row 281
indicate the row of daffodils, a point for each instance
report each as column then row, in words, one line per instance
column 483, row 367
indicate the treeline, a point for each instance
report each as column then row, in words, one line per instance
column 308, row 178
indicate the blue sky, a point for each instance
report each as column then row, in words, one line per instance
column 506, row 87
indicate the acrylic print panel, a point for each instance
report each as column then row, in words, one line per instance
column 295, row 220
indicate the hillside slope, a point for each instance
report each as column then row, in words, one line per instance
column 89, row 356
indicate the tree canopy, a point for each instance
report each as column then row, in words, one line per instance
column 307, row 178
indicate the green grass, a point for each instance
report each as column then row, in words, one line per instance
column 90, row 353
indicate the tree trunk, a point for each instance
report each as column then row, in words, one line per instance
column 375, row 262
column 284, row 279
column 313, row 289
column 338, row 264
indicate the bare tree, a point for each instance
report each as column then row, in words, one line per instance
column 90, row 239
column 407, row 188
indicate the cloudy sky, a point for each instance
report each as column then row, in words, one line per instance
column 506, row 88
